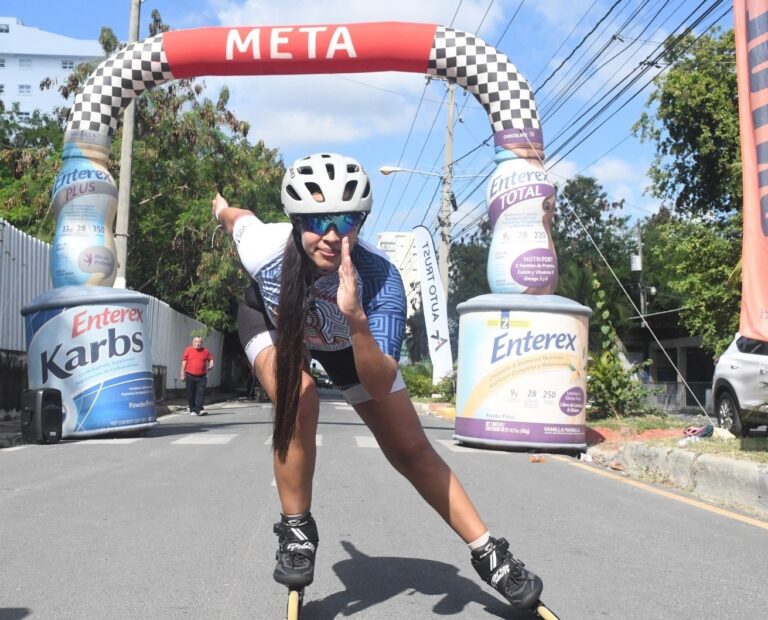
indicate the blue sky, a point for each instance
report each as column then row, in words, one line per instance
column 396, row 118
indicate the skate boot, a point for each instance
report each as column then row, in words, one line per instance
column 297, row 544
column 496, row 566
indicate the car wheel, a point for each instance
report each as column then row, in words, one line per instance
column 729, row 415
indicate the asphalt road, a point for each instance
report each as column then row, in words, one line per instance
column 178, row 524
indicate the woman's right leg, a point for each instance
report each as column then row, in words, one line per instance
column 296, row 530
column 294, row 475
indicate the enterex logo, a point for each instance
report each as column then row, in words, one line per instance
column 504, row 346
column 85, row 321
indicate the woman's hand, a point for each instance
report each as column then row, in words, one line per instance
column 217, row 204
column 347, row 297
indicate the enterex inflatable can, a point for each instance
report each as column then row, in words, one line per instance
column 92, row 344
column 522, row 370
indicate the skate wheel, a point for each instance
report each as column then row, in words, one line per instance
column 295, row 599
column 545, row 613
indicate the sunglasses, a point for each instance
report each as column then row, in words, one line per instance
column 344, row 223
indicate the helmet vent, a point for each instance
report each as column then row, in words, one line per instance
column 353, row 168
column 349, row 190
column 317, row 193
column 331, row 171
column 304, row 169
column 292, row 192
column 367, row 190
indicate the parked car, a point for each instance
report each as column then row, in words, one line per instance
column 324, row 382
column 740, row 385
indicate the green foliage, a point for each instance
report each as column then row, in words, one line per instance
column 418, row 379
column 695, row 127
column 613, row 389
column 585, row 212
column 693, row 260
column 30, row 155
column 186, row 148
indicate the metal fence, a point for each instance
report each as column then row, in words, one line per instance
column 25, row 274
column 675, row 397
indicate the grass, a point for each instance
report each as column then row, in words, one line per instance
column 748, row 448
column 640, row 423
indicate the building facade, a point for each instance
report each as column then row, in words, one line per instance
column 29, row 56
column 401, row 249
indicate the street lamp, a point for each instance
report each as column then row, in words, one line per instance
column 444, row 218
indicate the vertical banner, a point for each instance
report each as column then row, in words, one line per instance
column 435, row 306
column 751, row 31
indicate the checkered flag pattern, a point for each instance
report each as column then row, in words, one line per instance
column 488, row 75
column 116, row 81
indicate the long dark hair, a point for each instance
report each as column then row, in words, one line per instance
column 296, row 281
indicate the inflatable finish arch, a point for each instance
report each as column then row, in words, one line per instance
column 85, row 195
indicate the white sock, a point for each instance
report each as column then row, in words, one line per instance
column 480, row 542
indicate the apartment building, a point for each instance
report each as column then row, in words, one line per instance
column 401, row 249
column 28, row 56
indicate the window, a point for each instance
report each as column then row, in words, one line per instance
column 4, row 28
column 2, row 88
column 25, row 63
column 67, row 64
column 23, row 116
column 2, row 63
column 25, row 89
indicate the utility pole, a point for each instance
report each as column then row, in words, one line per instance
column 126, row 162
column 446, row 207
column 643, row 303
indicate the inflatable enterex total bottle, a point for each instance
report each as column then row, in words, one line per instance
column 521, row 205
column 85, row 204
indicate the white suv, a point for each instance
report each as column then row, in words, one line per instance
column 740, row 385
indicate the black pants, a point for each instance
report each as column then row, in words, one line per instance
column 196, row 391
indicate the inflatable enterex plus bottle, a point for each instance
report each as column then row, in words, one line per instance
column 85, row 205
column 521, row 205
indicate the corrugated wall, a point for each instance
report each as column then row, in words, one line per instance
column 25, row 274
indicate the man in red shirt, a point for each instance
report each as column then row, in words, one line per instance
column 196, row 361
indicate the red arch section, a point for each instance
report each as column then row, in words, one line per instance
column 283, row 50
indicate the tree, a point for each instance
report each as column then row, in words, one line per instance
column 29, row 159
column 694, row 259
column 697, row 167
column 588, row 221
column 186, row 147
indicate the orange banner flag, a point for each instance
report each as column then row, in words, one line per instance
column 751, row 31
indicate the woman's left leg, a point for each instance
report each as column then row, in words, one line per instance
column 396, row 426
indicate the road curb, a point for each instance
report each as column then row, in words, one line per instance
column 731, row 482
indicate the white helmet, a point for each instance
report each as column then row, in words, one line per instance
column 339, row 185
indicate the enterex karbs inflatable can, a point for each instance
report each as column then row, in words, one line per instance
column 522, row 371
column 90, row 343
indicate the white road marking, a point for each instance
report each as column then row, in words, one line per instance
column 13, row 449
column 318, row 440
column 210, row 439
column 344, row 407
column 366, row 441
column 106, row 442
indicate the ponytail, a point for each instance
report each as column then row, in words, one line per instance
column 295, row 285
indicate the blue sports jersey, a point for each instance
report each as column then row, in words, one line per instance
column 380, row 288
